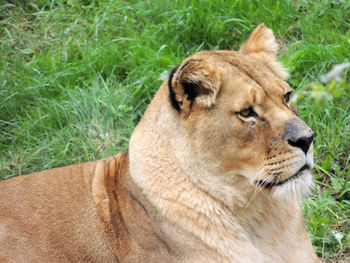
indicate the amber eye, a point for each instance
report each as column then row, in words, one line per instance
column 247, row 112
column 287, row 96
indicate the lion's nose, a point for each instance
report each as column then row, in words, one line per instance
column 298, row 134
column 302, row 142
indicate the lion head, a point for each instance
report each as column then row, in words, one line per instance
column 223, row 118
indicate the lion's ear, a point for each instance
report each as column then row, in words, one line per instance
column 193, row 82
column 262, row 43
column 261, row 40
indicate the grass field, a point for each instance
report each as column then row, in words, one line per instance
column 76, row 76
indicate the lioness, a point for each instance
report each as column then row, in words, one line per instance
column 213, row 173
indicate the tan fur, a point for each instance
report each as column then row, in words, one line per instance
column 193, row 185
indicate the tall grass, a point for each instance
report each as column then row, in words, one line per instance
column 76, row 76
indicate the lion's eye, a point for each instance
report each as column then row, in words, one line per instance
column 287, row 96
column 247, row 112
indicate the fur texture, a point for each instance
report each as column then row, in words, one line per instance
column 214, row 173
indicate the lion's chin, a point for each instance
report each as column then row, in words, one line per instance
column 298, row 185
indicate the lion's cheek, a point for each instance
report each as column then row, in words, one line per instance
column 235, row 147
column 238, row 160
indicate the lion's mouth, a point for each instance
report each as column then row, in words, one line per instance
column 269, row 185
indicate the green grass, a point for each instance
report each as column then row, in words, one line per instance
column 76, row 76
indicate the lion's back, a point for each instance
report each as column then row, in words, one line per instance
column 45, row 213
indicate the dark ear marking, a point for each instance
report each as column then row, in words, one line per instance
column 172, row 98
column 194, row 81
column 172, row 94
column 193, row 89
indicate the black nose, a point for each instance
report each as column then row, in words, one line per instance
column 302, row 142
column 298, row 134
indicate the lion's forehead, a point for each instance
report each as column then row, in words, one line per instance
column 247, row 72
column 240, row 91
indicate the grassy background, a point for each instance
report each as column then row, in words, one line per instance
column 76, row 76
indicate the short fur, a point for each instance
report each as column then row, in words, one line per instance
column 214, row 173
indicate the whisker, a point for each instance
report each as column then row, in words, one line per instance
column 260, row 174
